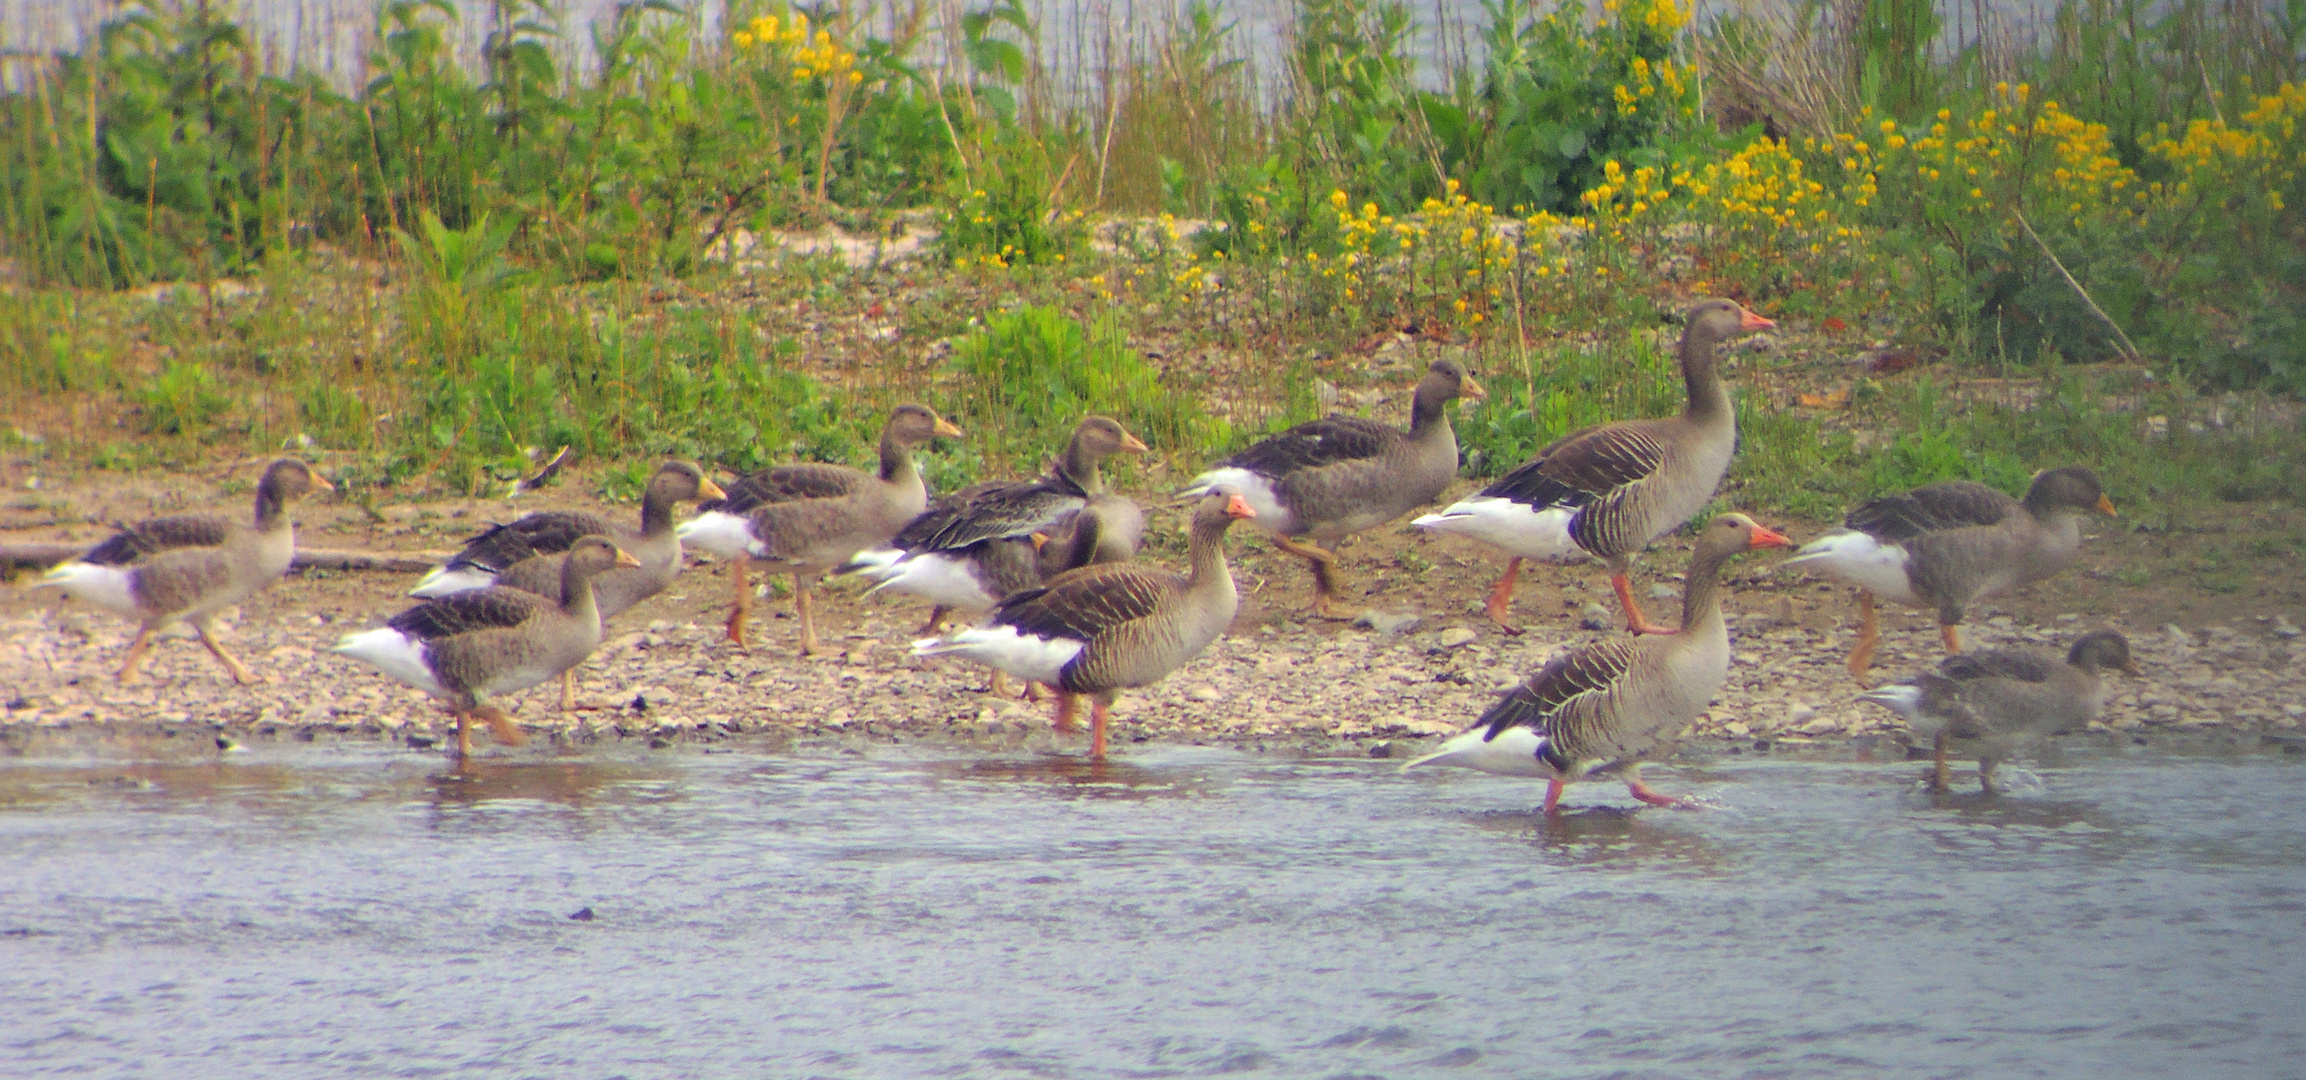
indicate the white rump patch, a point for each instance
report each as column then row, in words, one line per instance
column 1513, row 753
column 441, row 581
column 1254, row 488
column 394, row 653
column 720, row 532
column 1858, row 559
column 109, row 587
column 876, row 564
column 941, row 579
column 1022, row 655
column 1512, row 527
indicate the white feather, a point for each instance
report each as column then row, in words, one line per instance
column 1858, row 559
column 109, row 587
column 1904, row 699
column 441, row 581
column 875, row 564
column 1512, row 527
column 1022, row 655
column 720, row 532
column 1513, row 753
column 1254, row 489
column 394, row 653
column 941, row 578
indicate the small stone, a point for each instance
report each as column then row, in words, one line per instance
column 1800, row 714
column 1595, row 617
column 1204, row 692
column 1664, row 592
column 2177, row 635
column 2284, row 628
column 1736, row 729
column 583, row 914
column 1456, row 636
column 1386, row 623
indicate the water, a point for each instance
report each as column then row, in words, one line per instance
column 348, row 911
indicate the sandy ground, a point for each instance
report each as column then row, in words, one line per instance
column 2216, row 664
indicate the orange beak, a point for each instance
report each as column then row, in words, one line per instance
column 2106, row 506
column 1764, row 536
column 2130, row 667
column 1747, row 320
column 319, row 482
column 706, row 489
column 1471, row 390
column 1040, row 540
column 945, row 428
column 1237, row 508
column 625, row 558
column 1131, row 444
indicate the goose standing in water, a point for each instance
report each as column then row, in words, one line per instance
column 1323, row 480
column 2003, row 697
column 472, row 645
column 806, row 519
column 1602, row 708
column 190, row 567
column 1109, row 627
column 1945, row 546
column 1609, row 490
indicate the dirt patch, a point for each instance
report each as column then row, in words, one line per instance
column 2215, row 660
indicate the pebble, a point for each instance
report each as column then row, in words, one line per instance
column 1456, row 636
column 1387, row 623
column 1595, row 617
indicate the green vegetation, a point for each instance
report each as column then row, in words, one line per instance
column 467, row 262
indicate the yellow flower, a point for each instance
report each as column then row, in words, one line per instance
column 744, row 40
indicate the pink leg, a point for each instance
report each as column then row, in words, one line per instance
column 1635, row 621
column 1643, row 792
column 1097, row 709
column 1068, row 713
column 1501, row 598
column 1553, row 796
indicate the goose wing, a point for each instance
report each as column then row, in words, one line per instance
column 787, row 483
column 1313, row 444
column 468, row 611
column 1601, row 462
column 1564, row 700
column 1080, row 604
column 1953, row 504
column 1003, row 511
column 135, row 543
column 2022, row 665
column 547, row 532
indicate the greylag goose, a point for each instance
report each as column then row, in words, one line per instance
column 809, row 518
column 1610, row 489
column 469, row 646
column 190, row 567
column 1946, row 545
column 546, row 533
column 1324, row 480
column 1109, row 529
column 970, row 550
column 2002, row 696
column 528, row 553
column 1108, row 627
column 1603, row 707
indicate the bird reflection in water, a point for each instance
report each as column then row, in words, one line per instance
column 573, row 784
column 1076, row 776
column 1612, row 837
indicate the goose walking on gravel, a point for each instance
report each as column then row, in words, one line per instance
column 807, row 519
column 1602, row 708
column 1326, row 479
column 1946, row 545
column 469, row 646
column 969, row 550
column 1609, row 490
column 191, row 567
column 527, row 554
column 1109, row 627
column 2001, row 697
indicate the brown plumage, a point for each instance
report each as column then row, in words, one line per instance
column 1944, row 546
column 2004, row 697
column 469, row 646
column 1604, row 707
column 1324, row 480
column 1108, row 627
column 1609, row 490
column 191, row 567
column 832, row 513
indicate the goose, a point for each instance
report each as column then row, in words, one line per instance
column 2002, row 696
column 469, row 646
column 1324, row 480
column 1109, row 627
column 1609, row 490
column 1111, row 528
column 1603, row 707
column 190, row 567
column 809, row 518
column 1946, row 545
column 970, row 550
column 528, row 553
column 486, row 557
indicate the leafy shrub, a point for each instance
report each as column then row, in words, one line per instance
column 1028, row 376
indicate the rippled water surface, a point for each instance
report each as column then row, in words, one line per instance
column 1182, row 912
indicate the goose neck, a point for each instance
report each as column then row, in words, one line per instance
column 576, row 593
column 1205, row 553
column 1701, row 592
column 1701, row 376
column 656, row 511
column 896, row 460
column 1080, row 467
